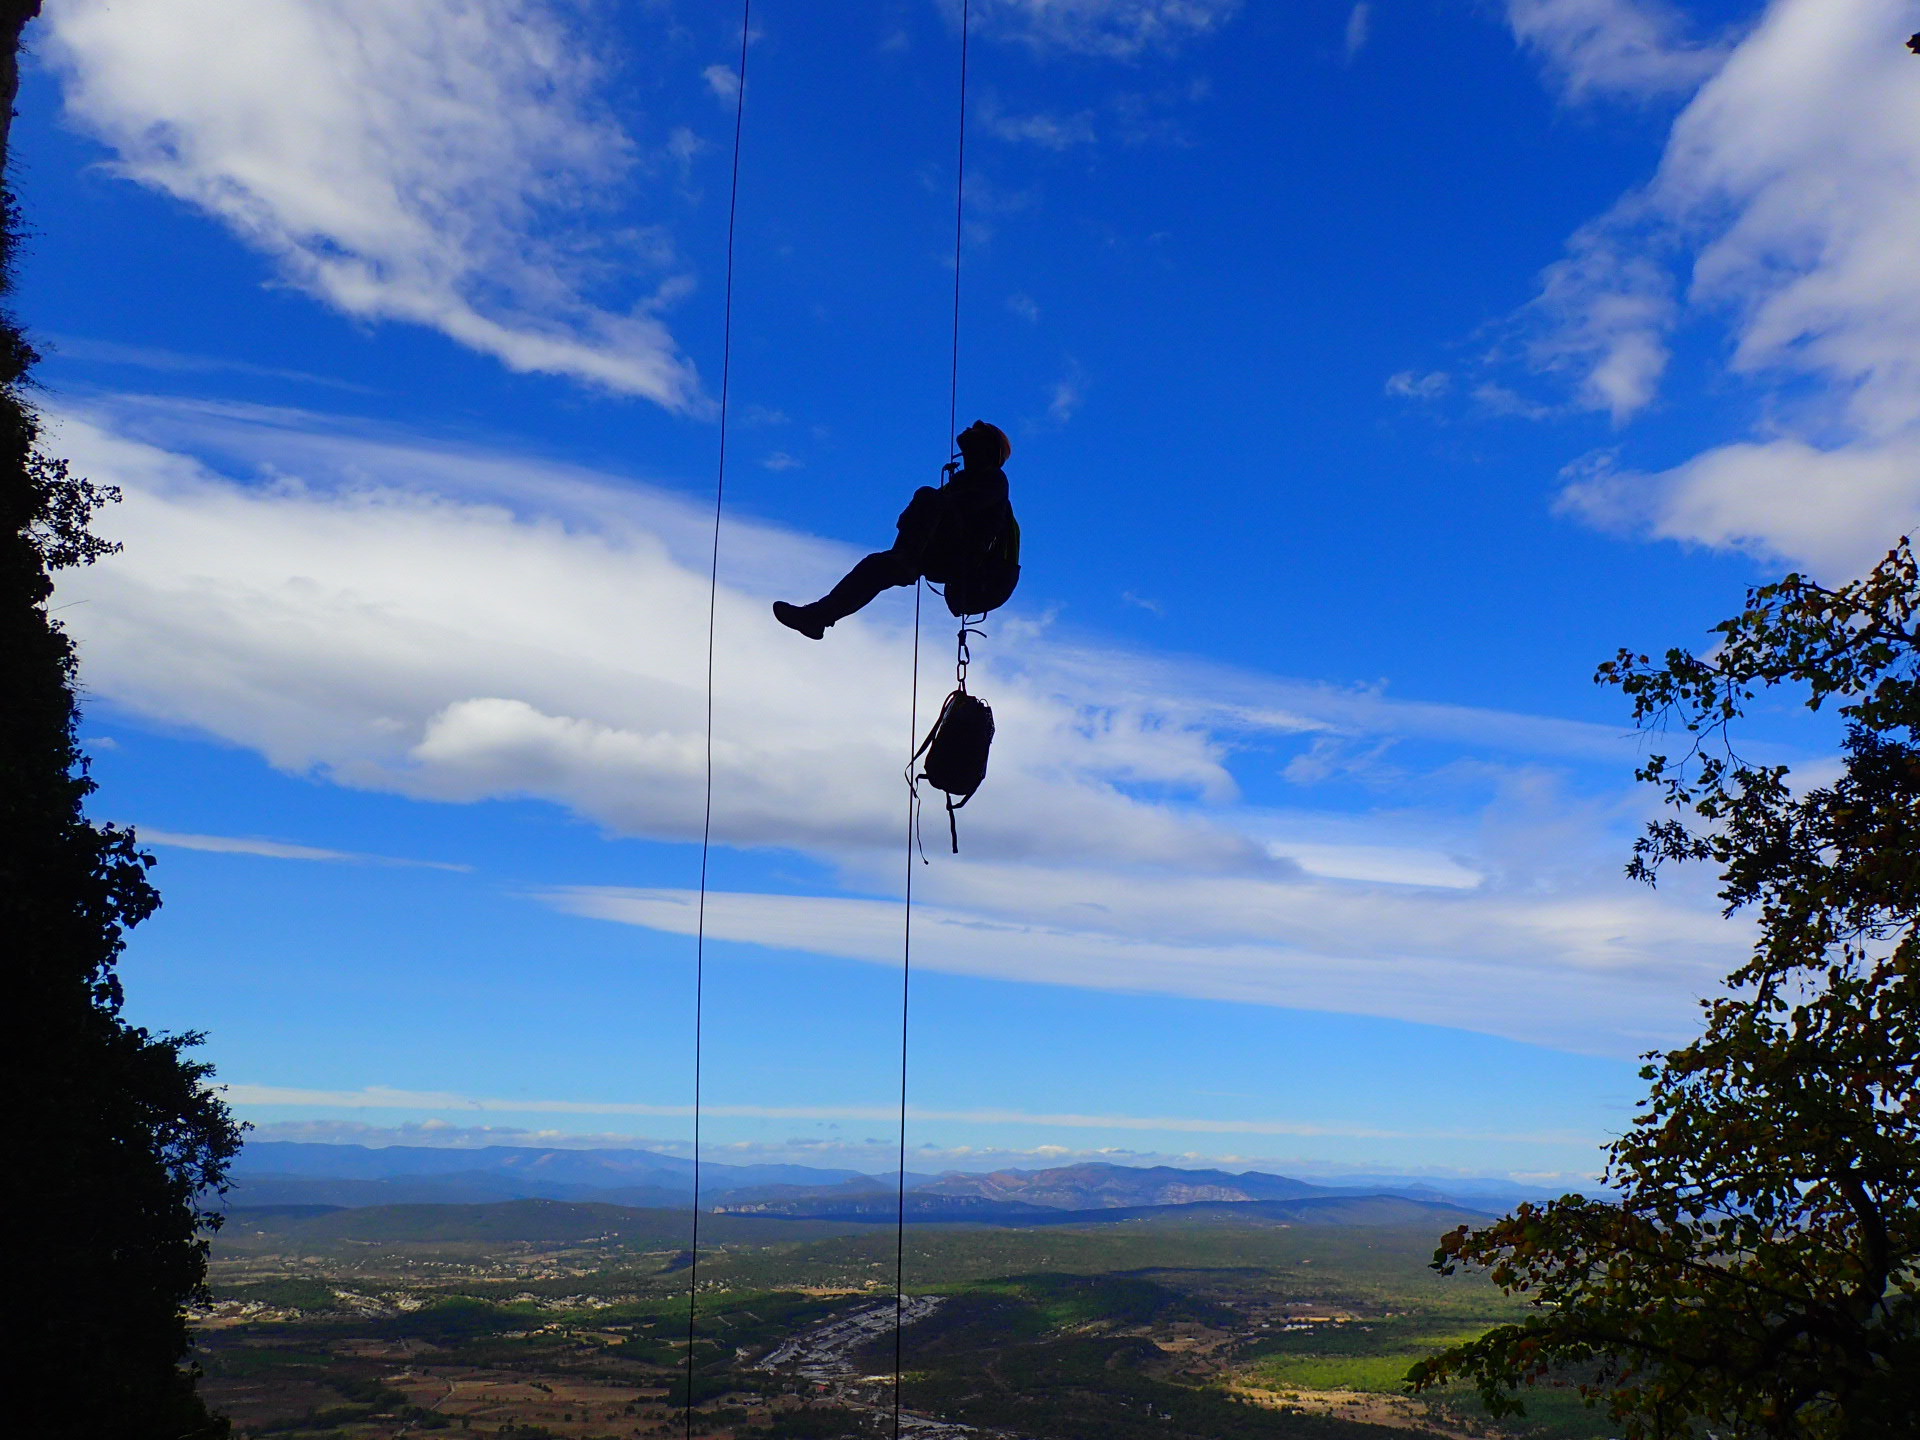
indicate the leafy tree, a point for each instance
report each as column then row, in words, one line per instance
column 1761, row 1273
column 118, row 1133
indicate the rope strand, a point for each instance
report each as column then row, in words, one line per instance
column 913, row 739
column 713, row 602
column 906, row 996
column 959, row 218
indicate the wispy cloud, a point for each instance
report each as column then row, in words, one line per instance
column 1433, row 955
column 276, row 849
column 1603, row 314
column 420, row 162
column 1413, row 385
column 1048, row 131
column 1068, row 393
column 173, row 362
column 1626, row 47
column 1359, row 25
column 1114, row 29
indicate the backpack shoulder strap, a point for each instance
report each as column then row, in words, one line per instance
column 934, row 729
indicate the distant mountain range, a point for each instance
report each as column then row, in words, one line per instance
column 294, row 1173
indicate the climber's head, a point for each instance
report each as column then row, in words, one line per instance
column 985, row 445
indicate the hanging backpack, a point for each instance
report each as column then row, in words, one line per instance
column 956, row 753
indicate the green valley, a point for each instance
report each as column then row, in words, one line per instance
column 548, row 1320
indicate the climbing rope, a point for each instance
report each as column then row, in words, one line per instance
column 913, row 738
column 706, row 824
column 713, row 600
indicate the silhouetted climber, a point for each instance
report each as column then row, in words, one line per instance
column 962, row 535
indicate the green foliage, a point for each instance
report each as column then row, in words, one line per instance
column 61, row 507
column 1825, row 866
column 459, row 1317
column 1761, row 1275
column 364, row 1390
column 290, row 1294
column 1058, row 1301
column 705, row 1388
column 1372, row 1357
column 1057, row 1380
column 1555, row 1411
column 811, row 1422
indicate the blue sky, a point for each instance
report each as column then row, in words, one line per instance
column 1372, row 370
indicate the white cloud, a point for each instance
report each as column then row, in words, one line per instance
column 1608, row 986
column 1113, row 29
column 274, row 849
column 1359, row 21
column 1049, row 132
column 1604, row 312
column 1068, row 393
column 1788, row 197
column 1631, row 47
column 1411, row 385
column 1835, row 510
column 1498, row 399
column 724, row 82
column 427, row 162
column 148, row 357
column 455, row 625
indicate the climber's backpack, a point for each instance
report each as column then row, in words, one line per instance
column 987, row 583
column 956, row 753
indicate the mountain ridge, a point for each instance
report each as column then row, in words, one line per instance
column 287, row 1172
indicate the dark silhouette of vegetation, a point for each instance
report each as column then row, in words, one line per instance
column 119, row 1124
column 1761, row 1274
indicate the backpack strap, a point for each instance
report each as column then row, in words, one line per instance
column 932, row 730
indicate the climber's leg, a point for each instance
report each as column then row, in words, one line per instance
column 879, row 571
